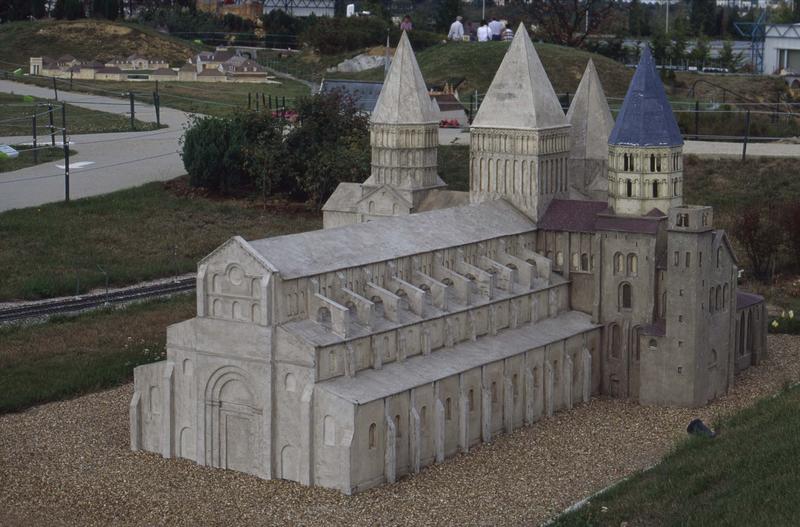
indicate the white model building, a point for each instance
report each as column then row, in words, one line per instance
column 349, row 356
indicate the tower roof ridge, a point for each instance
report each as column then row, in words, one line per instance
column 646, row 118
column 590, row 117
column 404, row 97
column 520, row 95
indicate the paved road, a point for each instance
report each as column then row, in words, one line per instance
column 449, row 136
column 104, row 163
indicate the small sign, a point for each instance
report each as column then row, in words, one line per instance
column 7, row 151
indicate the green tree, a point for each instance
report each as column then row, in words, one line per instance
column 703, row 17
column 660, row 45
column 700, row 53
column 677, row 49
column 727, row 58
column 73, row 9
column 636, row 19
column 446, row 14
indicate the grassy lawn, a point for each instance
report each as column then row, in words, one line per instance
column 79, row 120
column 746, row 476
column 71, row 356
column 137, row 234
column 26, row 157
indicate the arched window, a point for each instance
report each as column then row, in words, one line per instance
column 725, row 296
column 655, row 189
column 675, row 187
column 663, row 304
column 471, row 399
column 652, row 162
column 324, row 316
column 494, row 392
column 397, row 425
column 625, row 294
column 514, row 387
column 711, row 300
column 628, row 188
column 625, row 162
column 559, row 259
column 289, row 382
column 718, row 298
column 618, row 263
column 633, row 264
column 395, row 209
column 615, row 341
column 423, row 417
column 653, row 345
column 448, row 409
column 712, row 358
column 372, row 429
column 371, row 206
column 576, row 261
column 584, row 262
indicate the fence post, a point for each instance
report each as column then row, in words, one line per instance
column 746, row 134
column 263, row 100
column 55, row 89
column 35, row 144
column 52, row 128
column 249, row 97
column 133, row 126
column 256, row 102
column 270, row 102
column 70, row 80
column 696, row 118
column 155, row 105
column 66, row 150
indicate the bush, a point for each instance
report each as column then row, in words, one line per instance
column 419, row 39
column 336, row 35
column 215, row 148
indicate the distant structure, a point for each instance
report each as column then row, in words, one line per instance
column 302, row 8
column 222, row 65
column 350, row 356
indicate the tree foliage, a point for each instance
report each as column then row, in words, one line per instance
column 255, row 151
column 565, row 21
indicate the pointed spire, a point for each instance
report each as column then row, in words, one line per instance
column 590, row 118
column 520, row 95
column 646, row 117
column 404, row 97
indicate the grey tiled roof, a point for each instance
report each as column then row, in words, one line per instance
column 646, row 117
column 364, row 93
column 572, row 215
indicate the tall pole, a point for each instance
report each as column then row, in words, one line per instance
column 52, row 128
column 483, row 10
column 66, row 150
column 667, row 21
column 35, row 142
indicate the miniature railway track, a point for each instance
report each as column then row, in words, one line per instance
column 56, row 307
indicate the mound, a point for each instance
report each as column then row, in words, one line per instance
column 87, row 39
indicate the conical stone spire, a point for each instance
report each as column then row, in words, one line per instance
column 520, row 95
column 646, row 117
column 591, row 122
column 404, row 97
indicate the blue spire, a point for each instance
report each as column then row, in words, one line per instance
column 646, row 117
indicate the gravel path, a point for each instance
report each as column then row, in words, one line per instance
column 68, row 463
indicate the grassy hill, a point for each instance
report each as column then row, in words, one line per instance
column 478, row 62
column 87, row 39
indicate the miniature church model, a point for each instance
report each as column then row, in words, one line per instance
column 423, row 322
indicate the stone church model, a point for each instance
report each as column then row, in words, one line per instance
column 350, row 356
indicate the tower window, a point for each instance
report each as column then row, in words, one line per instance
column 688, row 259
column 629, row 187
column 625, row 162
column 655, row 189
column 652, row 162
column 625, row 294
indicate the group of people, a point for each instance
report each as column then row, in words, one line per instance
column 494, row 30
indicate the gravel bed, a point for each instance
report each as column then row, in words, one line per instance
column 68, row 463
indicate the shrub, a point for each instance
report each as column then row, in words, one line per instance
column 760, row 237
column 336, row 35
column 419, row 39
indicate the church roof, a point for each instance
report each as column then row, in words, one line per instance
column 404, row 97
column 572, row 215
column 520, row 95
column 321, row 251
column 646, row 118
column 590, row 118
column 745, row 300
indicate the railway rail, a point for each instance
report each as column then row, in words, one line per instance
column 95, row 300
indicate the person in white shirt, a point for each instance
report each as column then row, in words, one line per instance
column 484, row 32
column 497, row 28
column 456, row 30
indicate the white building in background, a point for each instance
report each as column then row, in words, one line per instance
column 782, row 48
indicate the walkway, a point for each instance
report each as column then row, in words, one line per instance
column 455, row 136
column 104, row 163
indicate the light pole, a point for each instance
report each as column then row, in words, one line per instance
column 667, row 21
column 483, row 10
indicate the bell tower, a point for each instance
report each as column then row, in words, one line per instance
column 645, row 149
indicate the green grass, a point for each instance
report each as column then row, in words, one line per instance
column 454, row 166
column 26, row 157
column 137, row 234
column 746, row 476
column 72, row 356
column 20, row 108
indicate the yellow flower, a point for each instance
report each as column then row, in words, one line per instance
column 775, row 323
column 791, row 314
column 783, row 314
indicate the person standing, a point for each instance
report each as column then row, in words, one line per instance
column 456, row 30
column 508, row 33
column 406, row 24
column 484, row 32
column 497, row 28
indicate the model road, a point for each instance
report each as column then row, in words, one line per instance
column 104, row 162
